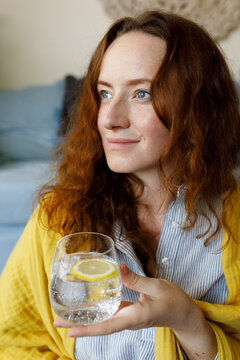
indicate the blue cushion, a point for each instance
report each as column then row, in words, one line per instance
column 19, row 183
column 29, row 120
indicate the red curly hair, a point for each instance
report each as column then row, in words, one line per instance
column 194, row 96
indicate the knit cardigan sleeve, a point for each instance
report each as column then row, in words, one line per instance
column 225, row 319
column 26, row 317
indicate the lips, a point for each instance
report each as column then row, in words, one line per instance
column 120, row 143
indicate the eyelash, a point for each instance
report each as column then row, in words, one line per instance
column 102, row 94
column 143, row 91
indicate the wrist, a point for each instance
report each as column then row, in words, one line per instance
column 196, row 337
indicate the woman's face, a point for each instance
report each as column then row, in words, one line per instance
column 133, row 136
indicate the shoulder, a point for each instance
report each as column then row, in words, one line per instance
column 41, row 238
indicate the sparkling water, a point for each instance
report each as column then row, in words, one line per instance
column 83, row 302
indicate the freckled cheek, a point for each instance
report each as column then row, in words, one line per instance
column 152, row 126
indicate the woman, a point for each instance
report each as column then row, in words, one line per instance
column 149, row 161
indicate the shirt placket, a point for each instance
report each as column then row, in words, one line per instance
column 123, row 245
column 170, row 240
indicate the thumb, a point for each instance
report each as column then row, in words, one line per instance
column 137, row 282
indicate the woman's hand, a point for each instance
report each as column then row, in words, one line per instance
column 161, row 304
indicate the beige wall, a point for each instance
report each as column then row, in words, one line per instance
column 43, row 40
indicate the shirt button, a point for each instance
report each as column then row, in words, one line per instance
column 175, row 224
column 165, row 261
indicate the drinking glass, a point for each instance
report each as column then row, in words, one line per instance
column 85, row 283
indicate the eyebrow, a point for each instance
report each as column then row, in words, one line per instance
column 128, row 82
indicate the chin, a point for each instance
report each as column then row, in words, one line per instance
column 120, row 168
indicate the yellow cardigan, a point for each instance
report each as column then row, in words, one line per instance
column 26, row 317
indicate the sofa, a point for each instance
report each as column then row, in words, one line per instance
column 32, row 121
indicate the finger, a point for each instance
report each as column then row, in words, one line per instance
column 124, row 319
column 141, row 284
column 59, row 322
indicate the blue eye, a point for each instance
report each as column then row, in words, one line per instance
column 142, row 94
column 104, row 94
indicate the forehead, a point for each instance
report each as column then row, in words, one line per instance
column 133, row 54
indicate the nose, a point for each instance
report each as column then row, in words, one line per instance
column 115, row 114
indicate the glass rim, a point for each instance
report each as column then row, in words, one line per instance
column 84, row 232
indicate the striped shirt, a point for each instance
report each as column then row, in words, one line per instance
column 183, row 260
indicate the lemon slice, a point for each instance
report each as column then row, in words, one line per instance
column 93, row 269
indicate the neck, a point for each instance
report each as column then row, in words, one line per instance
column 153, row 204
column 155, row 196
column 156, row 200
